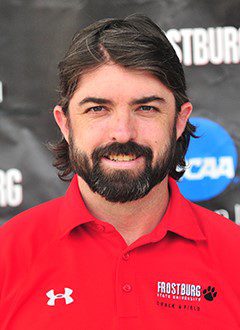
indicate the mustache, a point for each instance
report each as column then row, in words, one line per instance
column 128, row 148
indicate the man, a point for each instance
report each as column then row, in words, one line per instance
column 123, row 249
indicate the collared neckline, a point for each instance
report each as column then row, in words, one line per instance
column 178, row 218
column 73, row 211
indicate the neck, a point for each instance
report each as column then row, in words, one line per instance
column 148, row 210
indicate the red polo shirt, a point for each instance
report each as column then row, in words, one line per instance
column 60, row 268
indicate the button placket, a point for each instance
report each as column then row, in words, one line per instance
column 127, row 302
column 127, row 287
column 126, row 256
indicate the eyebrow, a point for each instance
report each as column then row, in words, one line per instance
column 143, row 100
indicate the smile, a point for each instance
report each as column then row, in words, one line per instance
column 123, row 161
column 121, row 157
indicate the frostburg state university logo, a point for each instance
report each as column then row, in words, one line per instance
column 184, row 296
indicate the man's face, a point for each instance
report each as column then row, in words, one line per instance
column 122, row 130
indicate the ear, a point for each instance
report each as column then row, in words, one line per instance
column 183, row 117
column 62, row 121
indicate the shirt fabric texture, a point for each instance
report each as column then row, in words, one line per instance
column 61, row 268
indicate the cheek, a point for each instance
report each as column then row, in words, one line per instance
column 88, row 137
column 154, row 135
column 158, row 139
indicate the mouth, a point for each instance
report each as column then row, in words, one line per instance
column 121, row 157
column 123, row 161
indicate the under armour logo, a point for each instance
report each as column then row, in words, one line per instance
column 66, row 295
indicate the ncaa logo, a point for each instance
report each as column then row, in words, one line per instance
column 212, row 161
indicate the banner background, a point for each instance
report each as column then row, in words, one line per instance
column 34, row 37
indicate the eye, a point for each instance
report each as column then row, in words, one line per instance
column 97, row 108
column 147, row 108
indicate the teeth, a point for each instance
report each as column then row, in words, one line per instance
column 122, row 158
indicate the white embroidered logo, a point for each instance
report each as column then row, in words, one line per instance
column 179, row 291
column 66, row 295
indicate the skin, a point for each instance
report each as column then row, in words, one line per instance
column 96, row 124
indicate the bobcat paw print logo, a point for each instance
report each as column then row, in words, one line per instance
column 209, row 293
column 66, row 295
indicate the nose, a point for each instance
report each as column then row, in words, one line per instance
column 122, row 127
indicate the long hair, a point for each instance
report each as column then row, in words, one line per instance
column 135, row 43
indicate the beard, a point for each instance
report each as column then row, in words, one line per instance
column 121, row 186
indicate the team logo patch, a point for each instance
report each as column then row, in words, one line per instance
column 179, row 291
column 209, row 293
column 184, row 296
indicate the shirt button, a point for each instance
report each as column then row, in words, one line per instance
column 127, row 287
column 126, row 256
column 100, row 227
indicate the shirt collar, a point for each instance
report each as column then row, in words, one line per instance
column 178, row 218
column 73, row 212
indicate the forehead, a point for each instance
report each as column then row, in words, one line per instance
column 113, row 81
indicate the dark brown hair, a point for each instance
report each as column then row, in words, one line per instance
column 135, row 43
